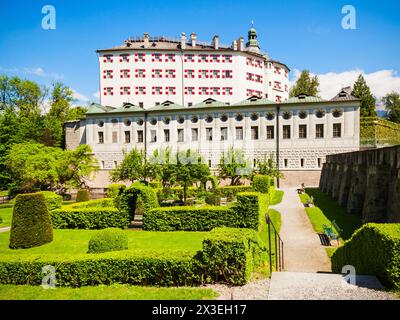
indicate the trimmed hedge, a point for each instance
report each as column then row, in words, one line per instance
column 261, row 183
column 213, row 199
column 98, row 203
column 176, row 193
column 232, row 191
column 108, row 240
column 89, row 218
column 31, row 224
column 155, row 184
column 53, row 200
column 82, row 195
column 126, row 201
column 245, row 214
column 373, row 249
column 113, row 190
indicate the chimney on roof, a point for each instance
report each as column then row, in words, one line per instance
column 234, row 45
column 183, row 41
column 146, row 39
column 216, row 42
column 240, row 44
column 193, row 38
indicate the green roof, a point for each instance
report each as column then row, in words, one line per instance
column 254, row 100
column 303, row 98
column 167, row 106
column 128, row 107
column 208, row 103
column 98, row 108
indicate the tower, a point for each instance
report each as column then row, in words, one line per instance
column 252, row 43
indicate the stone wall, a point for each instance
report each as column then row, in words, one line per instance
column 72, row 134
column 365, row 182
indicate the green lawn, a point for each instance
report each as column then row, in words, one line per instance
column 113, row 292
column 6, row 215
column 76, row 242
column 326, row 210
column 330, row 251
column 277, row 197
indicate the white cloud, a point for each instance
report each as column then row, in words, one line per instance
column 79, row 96
column 96, row 95
column 380, row 82
column 38, row 71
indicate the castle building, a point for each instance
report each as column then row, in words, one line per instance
column 147, row 71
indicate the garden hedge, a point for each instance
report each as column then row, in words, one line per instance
column 82, row 195
column 232, row 191
column 261, row 183
column 107, row 240
column 113, row 190
column 98, row 203
column 53, row 200
column 373, row 249
column 31, row 224
column 89, row 218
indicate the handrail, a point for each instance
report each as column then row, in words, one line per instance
column 279, row 257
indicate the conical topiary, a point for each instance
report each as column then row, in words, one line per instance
column 31, row 224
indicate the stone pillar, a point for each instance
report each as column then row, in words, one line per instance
column 358, row 187
column 337, row 179
column 345, row 184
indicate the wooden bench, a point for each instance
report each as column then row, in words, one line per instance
column 330, row 233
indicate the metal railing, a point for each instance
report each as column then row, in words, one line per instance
column 276, row 245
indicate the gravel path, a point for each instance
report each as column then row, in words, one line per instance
column 303, row 251
column 254, row 290
column 4, row 229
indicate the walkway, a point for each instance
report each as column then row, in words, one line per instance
column 4, row 229
column 303, row 251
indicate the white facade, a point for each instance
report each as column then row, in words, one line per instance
column 149, row 71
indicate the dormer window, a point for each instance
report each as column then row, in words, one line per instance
column 189, row 58
column 156, row 57
column 203, row 58
column 170, row 57
column 124, row 58
column 108, row 58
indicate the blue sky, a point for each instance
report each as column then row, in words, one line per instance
column 303, row 34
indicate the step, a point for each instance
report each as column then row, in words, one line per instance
column 321, row 286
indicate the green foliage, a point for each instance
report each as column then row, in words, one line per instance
column 114, row 190
column 53, row 200
column 127, row 201
column 392, row 105
column 82, row 195
column 213, row 199
column 261, row 183
column 234, row 165
column 378, row 132
column 108, row 240
column 132, row 168
column 98, row 203
column 363, row 92
column 31, row 225
column 69, row 217
column 268, row 167
column 231, row 191
column 155, row 184
column 305, row 84
column 214, row 182
column 373, row 249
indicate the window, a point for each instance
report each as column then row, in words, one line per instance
column 157, row 57
column 125, row 73
column 195, row 119
column 224, row 134
column 287, row 115
column 153, row 136
column 203, row 90
column 127, row 137
column 125, row 91
column 226, row 58
column 189, row 58
column 302, row 163
column 277, row 85
column 209, row 118
column 189, row 90
column 101, row 137
column 303, row 131
column 203, row 74
column 170, row 73
column 157, row 73
column 115, row 163
column 140, row 90
column 270, row 116
column 115, row 137
column 109, row 91
column 215, row 57
column 170, row 90
column 277, row 70
column 286, row 162
column 170, row 57
column 239, row 133
column 157, row 90
column 209, row 134
column 140, row 136
column 278, row 99
column 180, row 135
column 302, row 114
column 254, row 133
column 337, row 113
column 189, row 73
column 337, row 130
column 108, row 58
column 227, row 74
column 190, row 104
column 166, row 135
column 224, row 118
column 239, row 117
column 227, row 91
column 215, row 90
column 286, row 132
column 249, row 76
column 181, row 120
column 140, row 57
column 215, row 74
column 203, row 58
column 319, row 131
column 258, row 78
column 141, row 105
column 103, row 165
column 254, row 117
column 140, row 73
column 108, row 74
column 270, row 132
column 249, row 61
column 320, row 114
column 319, row 162
column 195, row 134
column 209, row 163
column 153, row 121
column 100, row 124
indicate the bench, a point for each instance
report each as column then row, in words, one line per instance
column 330, row 233
column 309, row 202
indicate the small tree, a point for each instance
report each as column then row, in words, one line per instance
column 268, row 167
column 161, row 166
column 392, row 103
column 363, row 92
column 234, row 165
column 305, row 84
column 132, row 168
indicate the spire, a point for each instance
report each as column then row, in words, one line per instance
column 252, row 43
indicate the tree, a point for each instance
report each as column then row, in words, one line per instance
column 189, row 168
column 305, row 84
column 392, row 103
column 234, row 165
column 363, row 92
column 268, row 167
column 161, row 166
column 132, row 168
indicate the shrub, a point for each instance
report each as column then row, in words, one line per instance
column 53, row 200
column 1, row 220
column 373, row 249
column 213, row 199
column 89, row 218
column 155, row 184
column 82, row 195
column 113, row 190
column 231, row 191
column 261, row 183
column 31, row 224
column 108, row 240
column 98, row 203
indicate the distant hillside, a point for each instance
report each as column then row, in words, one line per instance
column 381, row 113
column 382, row 133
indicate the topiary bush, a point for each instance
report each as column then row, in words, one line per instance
column 31, row 225
column 113, row 190
column 372, row 249
column 261, row 183
column 53, row 200
column 213, row 199
column 106, row 240
column 156, row 184
column 98, row 203
column 82, row 195
column 232, row 191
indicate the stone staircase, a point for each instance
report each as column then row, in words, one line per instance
column 137, row 223
column 324, row 286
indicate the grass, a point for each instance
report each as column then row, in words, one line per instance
column 330, row 251
column 327, row 210
column 68, row 242
column 277, row 197
column 113, row 292
column 6, row 215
